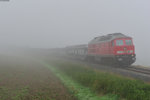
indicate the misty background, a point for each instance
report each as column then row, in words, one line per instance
column 59, row 23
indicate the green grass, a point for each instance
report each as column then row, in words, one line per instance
column 105, row 83
column 22, row 94
column 79, row 91
column 18, row 94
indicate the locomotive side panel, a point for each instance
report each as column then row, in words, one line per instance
column 100, row 49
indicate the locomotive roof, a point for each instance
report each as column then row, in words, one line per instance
column 108, row 37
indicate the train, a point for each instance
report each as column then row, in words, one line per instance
column 115, row 48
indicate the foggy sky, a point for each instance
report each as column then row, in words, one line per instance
column 58, row 23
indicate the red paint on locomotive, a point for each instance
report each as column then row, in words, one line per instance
column 117, row 46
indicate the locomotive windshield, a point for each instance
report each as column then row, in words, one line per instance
column 123, row 42
column 128, row 42
column 119, row 42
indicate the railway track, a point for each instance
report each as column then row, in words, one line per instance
column 139, row 70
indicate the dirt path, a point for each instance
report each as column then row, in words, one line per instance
column 24, row 79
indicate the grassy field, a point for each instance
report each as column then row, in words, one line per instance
column 24, row 79
column 105, row 83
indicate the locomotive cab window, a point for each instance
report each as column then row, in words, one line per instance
column 119, row 42
column 112, row 43
column 128, row 42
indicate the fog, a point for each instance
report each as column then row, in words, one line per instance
column 59, row 23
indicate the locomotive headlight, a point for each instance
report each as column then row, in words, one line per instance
column 119, row 52
column 133, row 55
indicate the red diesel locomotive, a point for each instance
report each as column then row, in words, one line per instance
column 117, row 48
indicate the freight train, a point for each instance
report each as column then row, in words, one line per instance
column 115, row 48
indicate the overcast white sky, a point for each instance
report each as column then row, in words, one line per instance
column 57, row 23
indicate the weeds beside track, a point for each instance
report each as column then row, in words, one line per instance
column 81, row 92
column 106, row 83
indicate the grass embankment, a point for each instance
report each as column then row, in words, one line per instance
column 106, row 83
column 79, row 91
